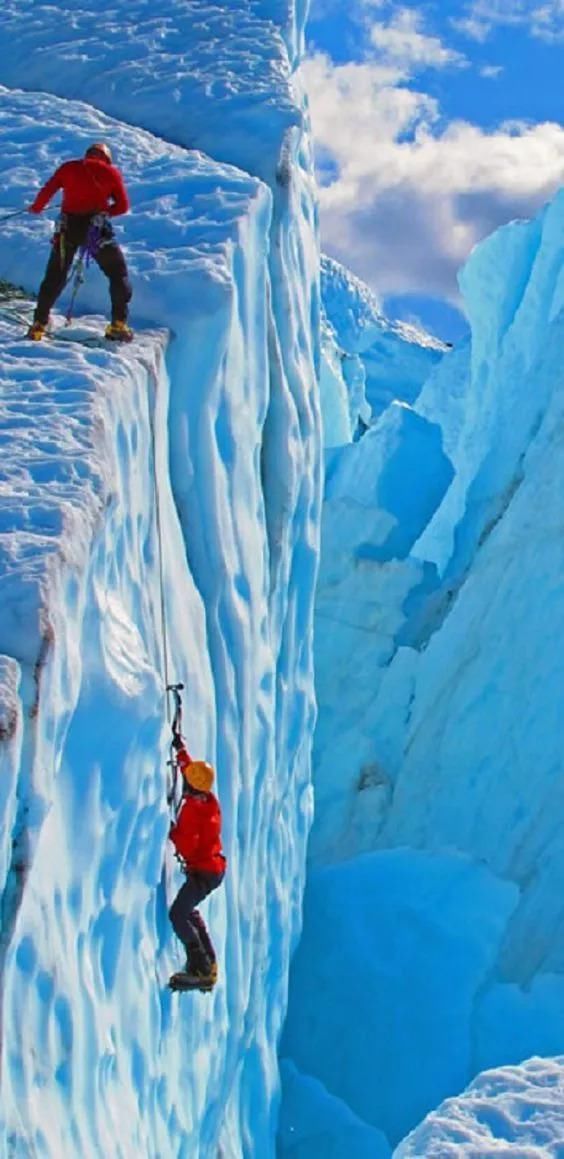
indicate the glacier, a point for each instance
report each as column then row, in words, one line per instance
column 161, row 520
column 342, row 537
column 437, row 755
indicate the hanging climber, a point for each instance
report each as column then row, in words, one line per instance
column 196, row 835
column 93, row 192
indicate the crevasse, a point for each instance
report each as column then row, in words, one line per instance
column 97, row 1057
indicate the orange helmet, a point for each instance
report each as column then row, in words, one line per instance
column 101, row 150
column 199, row 775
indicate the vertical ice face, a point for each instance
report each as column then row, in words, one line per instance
column 10, row 755
column 457, row 747
column 381, row 490
column 227, row 257
column 397, row 357
column 490, row 710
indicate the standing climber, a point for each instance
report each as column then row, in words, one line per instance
column 196, row 835
column 93, row 192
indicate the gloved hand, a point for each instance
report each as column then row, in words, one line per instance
column 177, row 742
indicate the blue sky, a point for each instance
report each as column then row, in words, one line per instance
column 434, row 123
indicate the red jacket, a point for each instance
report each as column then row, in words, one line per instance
column 197, row 832
column 89, row 185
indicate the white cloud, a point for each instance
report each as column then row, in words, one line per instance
column 408, row 197
column 545, row 21
column 491, row 71
column 473, row 27
column 403, row 41
column 318, row 9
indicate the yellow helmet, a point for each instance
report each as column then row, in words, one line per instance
column 199, row 775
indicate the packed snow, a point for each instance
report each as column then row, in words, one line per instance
column 514, row 1111
column 216, row 77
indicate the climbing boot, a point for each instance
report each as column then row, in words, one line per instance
column 199, row 968
column 119, row 332
column 36, row 331
column 203, row 976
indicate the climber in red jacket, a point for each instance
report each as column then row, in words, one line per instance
column 93, row 192
column 196, row 836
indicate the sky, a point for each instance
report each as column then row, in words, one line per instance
column 434, row 123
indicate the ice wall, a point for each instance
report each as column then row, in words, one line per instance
column 227, row 259
column 84, row 944
column 397, row 357
column 384, row 480
column 342, row 389
column 499, row 718
column 456, row 751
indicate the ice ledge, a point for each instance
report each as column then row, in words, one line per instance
column 210, row 76
column 59, row 412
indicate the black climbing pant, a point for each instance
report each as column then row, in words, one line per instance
column 104, row 250
column 188, row 923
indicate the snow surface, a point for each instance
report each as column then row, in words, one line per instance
column 517, row 1111
column 97, row 1056
column 211, row 76
column 439, row 739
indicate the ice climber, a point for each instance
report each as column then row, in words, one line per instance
column 196, row 835
column 93, row 192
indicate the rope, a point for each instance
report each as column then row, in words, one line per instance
column 16, row 213
column 85, row 253
column 164, row 632
column 79, row 275
column 171, row 689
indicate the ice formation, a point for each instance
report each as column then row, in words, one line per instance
column 507, row 1112
column 160, row 514
column 210, row 421
column 438, row 754
column 397, row 357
